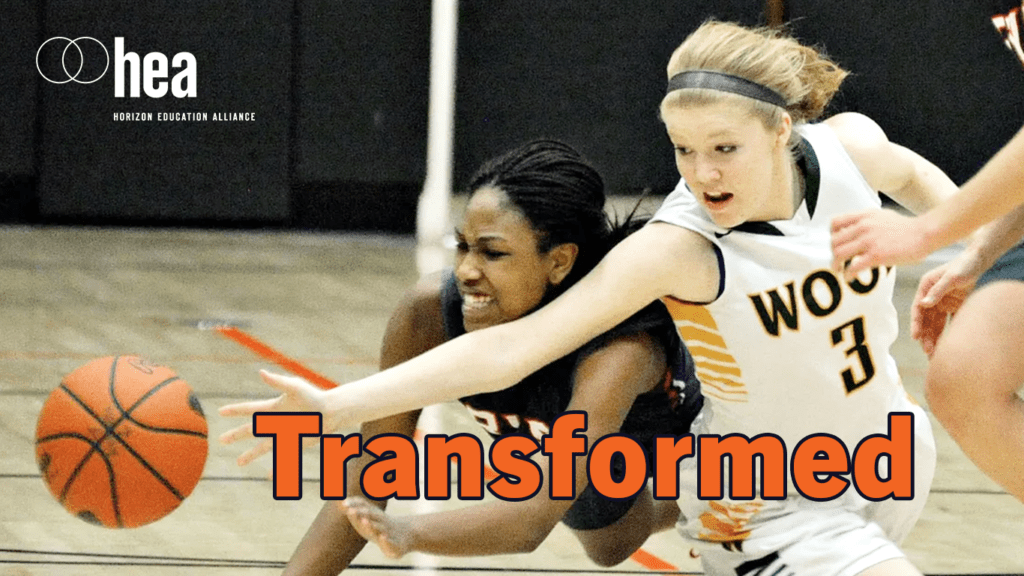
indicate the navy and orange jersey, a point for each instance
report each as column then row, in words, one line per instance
column 531, row 405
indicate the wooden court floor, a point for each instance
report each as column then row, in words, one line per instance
column 68, row 295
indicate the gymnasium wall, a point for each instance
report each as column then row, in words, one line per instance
column 338, row 96
column 934, row 74
column 593, row 78
column 18, row 111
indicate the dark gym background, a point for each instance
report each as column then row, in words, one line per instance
column 339, row 89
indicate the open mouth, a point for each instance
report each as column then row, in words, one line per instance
column 717, row 199
column 476, row 301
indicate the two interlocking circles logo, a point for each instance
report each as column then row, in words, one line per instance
column 71, row 47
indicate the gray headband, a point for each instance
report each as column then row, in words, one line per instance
column 712, row 80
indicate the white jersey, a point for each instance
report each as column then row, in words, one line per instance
column 789, row 348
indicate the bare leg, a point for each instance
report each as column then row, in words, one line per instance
column 973, row 379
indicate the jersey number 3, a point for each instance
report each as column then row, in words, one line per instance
column 853, row 331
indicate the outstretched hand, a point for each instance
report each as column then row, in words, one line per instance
column 389, row 533
column 297, row 395
column 874, row 238
column 939, row 295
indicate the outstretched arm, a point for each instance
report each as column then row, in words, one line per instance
column 607, row 383
column 996, row 189
column 658, row 260
column 884, row 238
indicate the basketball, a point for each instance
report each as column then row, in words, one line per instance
column 121, row 442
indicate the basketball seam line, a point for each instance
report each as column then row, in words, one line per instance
column 124, row 415
column 81, row 464
column 111, row 433
column 127, row 414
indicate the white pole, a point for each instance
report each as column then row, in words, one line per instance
column 433, row 209
column 432, row 214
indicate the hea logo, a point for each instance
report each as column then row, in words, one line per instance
column 85, row 60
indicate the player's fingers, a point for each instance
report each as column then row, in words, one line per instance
column 857, row 264
column 845, row 249
column 934, row 293
column 839, row 262
column 235, row 434
column 924, row 286
column 923, row 318
column 253, row 453
column 377, row 530
column 916, row 328
column 930, row 338
column 248, row 408
column 350, row 507
column 845, row 221
column 918, row 312
column 932, row 323
column 282, row 382
column 388, row 547
column 362, row 523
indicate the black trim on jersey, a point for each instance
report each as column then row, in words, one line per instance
column 721, row 277
column 451, row 307
column 721, row 271
column 807, row 162
column 763, row 228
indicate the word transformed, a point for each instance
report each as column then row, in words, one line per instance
column 817, row 469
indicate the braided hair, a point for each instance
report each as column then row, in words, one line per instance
column 562, row 197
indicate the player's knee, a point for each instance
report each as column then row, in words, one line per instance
column 608, row 556
column 610, row 546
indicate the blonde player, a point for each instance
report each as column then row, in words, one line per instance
column 740, row 254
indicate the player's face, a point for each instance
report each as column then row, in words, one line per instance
column 731, row 162
column 500, row 273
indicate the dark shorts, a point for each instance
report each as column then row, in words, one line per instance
column 1009, row 267
column 592, row 510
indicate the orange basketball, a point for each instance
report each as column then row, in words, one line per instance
column 121, row 442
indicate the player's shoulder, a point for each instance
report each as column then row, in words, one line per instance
column 429, row 287
column 639, row 345
column 857, row 133
column 635, row 357
column 420, row 309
